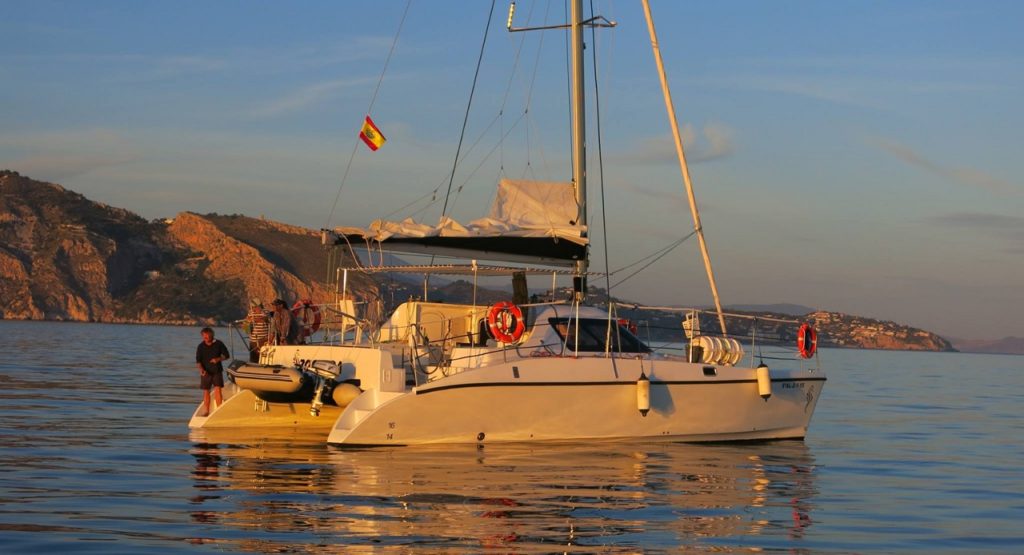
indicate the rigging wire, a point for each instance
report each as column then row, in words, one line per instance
column 529, row 101
column 508, row 90
column 469, row 104
column 433, row 193
column 503, row 135
column 369, row 109
column 477, row 167
column 486, row 157
column 600, row 169
column 600, row 161
column 663, row 251
column 432, row 196
column 462, row 134
column 568, row 88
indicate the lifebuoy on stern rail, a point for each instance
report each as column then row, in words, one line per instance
column 307, row 315
column 505, row 321
column 807, row 341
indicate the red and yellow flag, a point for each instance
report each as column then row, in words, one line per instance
column 371, row 135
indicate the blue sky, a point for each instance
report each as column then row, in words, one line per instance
column 852, row 156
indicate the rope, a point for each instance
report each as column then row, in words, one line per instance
column 369, row 109
column 663, row 252
column 600, row 163
column 469, row 104
column 433, row 193
column 503, row 135
column 568, row 96
column 486, row 157
column 462, row 134
column 508, row 90
column 529, row 101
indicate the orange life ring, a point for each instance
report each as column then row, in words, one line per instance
column 628, row 324
column 807, row 341
column 505, row 321
column 307, row 315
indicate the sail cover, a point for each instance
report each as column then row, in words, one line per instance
column 529, row 221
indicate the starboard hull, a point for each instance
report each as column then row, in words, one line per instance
column 586, row 403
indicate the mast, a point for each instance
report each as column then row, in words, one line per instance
column 579, row 137
column 579, row 146
column 682, row 163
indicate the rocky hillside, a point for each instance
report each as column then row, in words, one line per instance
column 844, row 330
column 64, row 257
column 834, row 330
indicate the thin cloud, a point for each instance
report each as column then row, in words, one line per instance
column 663, row 197
column 307, row 97
column 969, row 177
column 1001, row 224
column 58, row 155
column 858, row 92
column 718, row 144
column 129, row 67
column 860, row 82
column 999, row 227
column 134, row 67
column 714, row 142
column 173, row 66
column 58, row 167
column 817, row 89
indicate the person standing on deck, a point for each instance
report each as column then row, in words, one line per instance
column 282, row 323
column 259, row 329
column 209, row 355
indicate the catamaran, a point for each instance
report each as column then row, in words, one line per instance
column 520, row 370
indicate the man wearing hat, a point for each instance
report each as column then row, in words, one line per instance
column 259, row 328
column 282, row 323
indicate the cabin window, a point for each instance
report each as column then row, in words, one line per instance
column 592, row 334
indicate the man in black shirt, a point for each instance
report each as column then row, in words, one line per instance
column 209, row 355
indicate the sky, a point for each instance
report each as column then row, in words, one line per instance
column 854, row 156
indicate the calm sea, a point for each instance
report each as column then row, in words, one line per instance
column 908, row 453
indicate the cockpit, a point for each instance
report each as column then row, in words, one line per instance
column 596, row 335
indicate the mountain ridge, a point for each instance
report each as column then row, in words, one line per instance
column 1008, row 345
column 65, row 257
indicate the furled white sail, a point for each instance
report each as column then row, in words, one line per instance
column 532, row 221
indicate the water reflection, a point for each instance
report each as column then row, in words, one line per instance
column 281, row 493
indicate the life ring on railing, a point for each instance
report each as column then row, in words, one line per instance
column 628, row 324
column 307, row 315
column 505, row 321
column 807, row 341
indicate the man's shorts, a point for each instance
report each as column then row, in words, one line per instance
column 208, row 380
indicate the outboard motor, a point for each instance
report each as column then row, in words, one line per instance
column 325, row 369
column 325, row 372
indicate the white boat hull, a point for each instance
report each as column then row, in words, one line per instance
column 517, row 395
column 552, row 399
column 243, row 409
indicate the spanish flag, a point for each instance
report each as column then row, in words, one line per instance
column 371, row 135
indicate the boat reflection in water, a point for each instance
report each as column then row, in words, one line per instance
column 283, row 494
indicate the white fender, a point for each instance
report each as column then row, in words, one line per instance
column 643, row 394
column 764, row 382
